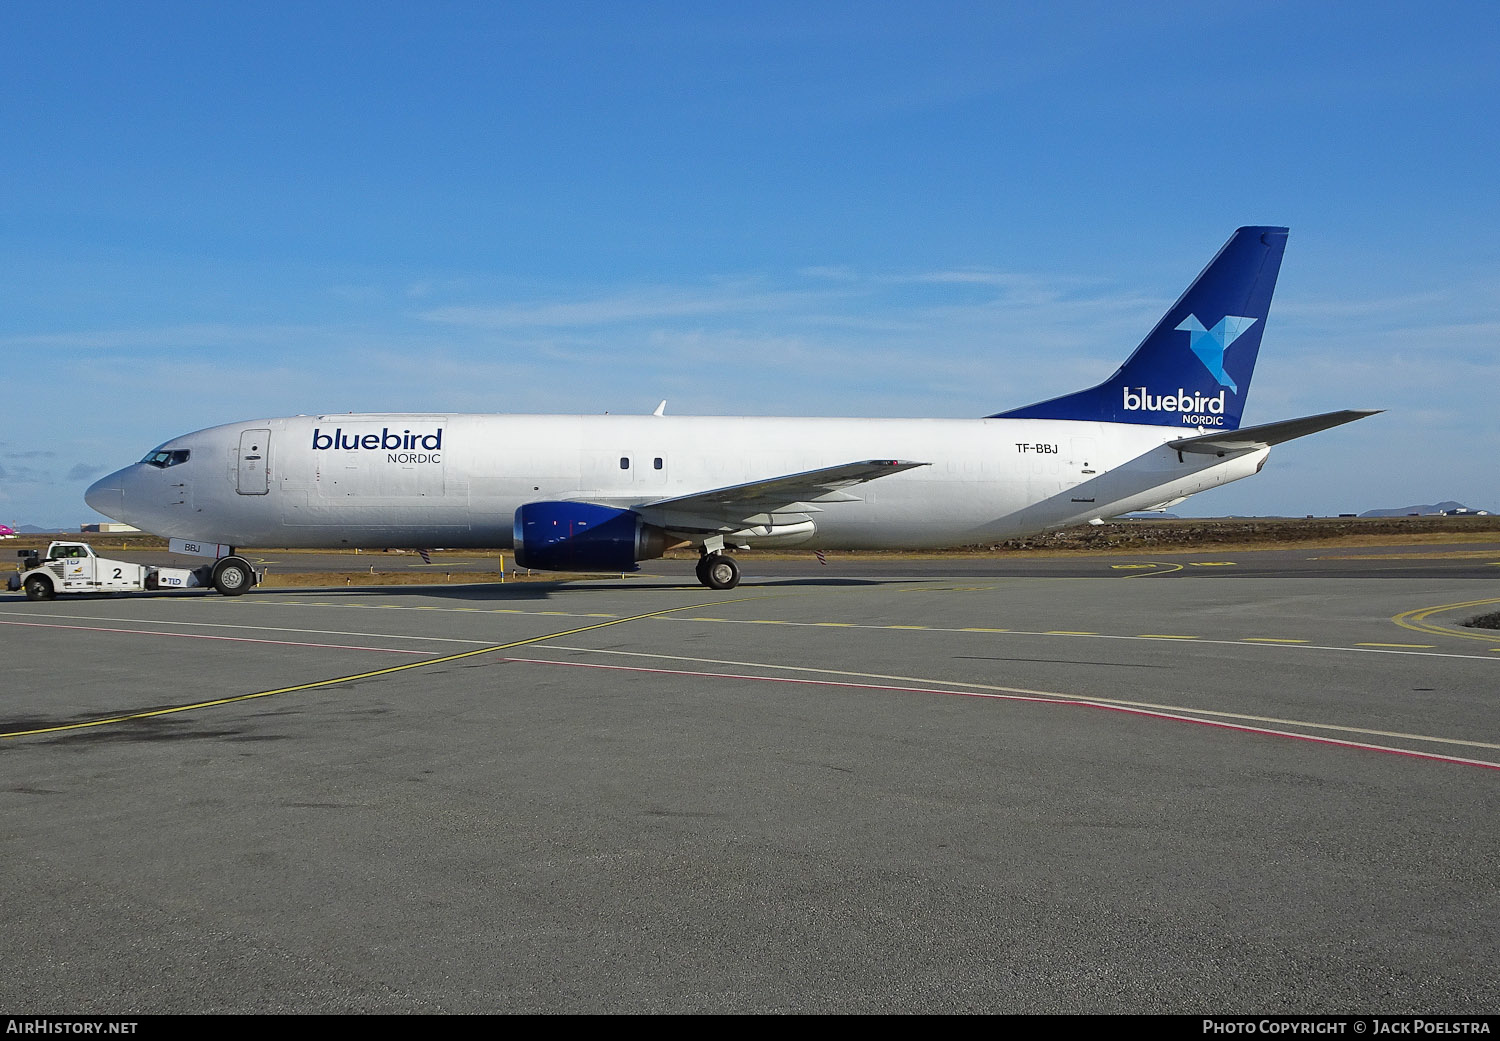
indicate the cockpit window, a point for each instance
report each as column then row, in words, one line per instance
column 164, row 459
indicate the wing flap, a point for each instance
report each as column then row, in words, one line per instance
column 775, row 495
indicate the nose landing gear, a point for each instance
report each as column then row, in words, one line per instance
column 232, row 576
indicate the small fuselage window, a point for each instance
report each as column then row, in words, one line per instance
column 162, row 458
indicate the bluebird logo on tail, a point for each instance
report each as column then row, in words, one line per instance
column 1158, row 385
column 1210, row 344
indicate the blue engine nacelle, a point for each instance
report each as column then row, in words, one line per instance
column 583, row 536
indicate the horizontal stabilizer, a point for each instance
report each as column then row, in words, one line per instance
column 1249, row 438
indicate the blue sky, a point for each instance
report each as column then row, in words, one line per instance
column 219, row 212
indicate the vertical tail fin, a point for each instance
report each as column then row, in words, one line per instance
column 1194, row 368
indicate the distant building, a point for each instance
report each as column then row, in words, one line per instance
column 107, row 528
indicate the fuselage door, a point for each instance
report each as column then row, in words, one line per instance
column 255, row 450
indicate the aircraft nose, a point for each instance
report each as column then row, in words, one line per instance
column 107, row 496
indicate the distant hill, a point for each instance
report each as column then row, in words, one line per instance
column 1426, row 511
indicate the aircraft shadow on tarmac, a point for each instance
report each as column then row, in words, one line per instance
column 523, row 591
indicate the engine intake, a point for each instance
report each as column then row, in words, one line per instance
column 583, row 536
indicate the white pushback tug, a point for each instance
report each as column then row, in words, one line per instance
column 74, row 567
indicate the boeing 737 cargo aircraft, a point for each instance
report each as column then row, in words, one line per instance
column 601, row 493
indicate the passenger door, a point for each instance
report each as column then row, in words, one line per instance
column 255, row 448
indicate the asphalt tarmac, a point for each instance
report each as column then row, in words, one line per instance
column 1227, row 782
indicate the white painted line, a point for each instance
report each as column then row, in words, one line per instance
column 205, row 636
column 1043, row 697
column 1154, row 706
column 271, row 629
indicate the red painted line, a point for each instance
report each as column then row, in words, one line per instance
column 1058, row 700
column 227, row 639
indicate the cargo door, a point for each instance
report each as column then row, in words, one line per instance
column 254, row 478
column 648, row 470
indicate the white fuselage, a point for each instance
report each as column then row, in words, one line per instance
column 422, row 480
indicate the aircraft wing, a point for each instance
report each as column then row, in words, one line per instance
column 800, row 491
column 1268, row 434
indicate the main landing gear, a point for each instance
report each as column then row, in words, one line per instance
column 717, row 569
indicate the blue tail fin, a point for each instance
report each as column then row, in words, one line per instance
column 1194, row 369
